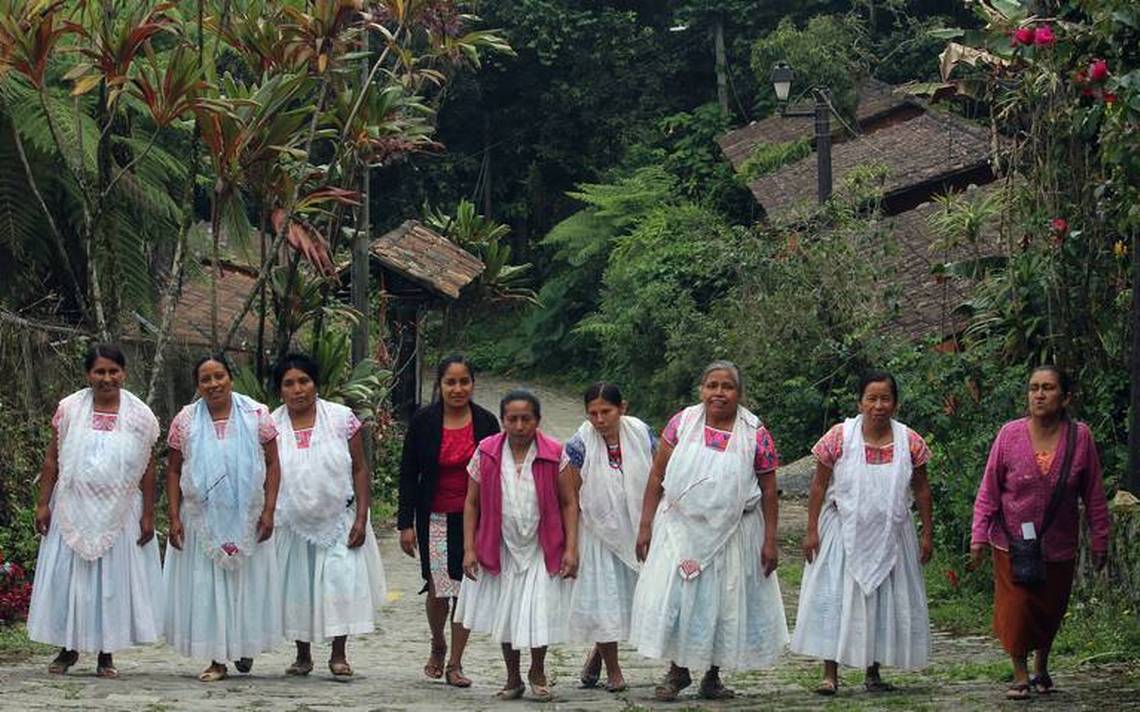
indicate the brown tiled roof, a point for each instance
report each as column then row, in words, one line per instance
column 926, row 301
column 876, row 100
column 430, row 260
column 192, row 317
column 929, row 147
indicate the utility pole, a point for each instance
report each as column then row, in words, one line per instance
column 721, row 65
column 823, row 142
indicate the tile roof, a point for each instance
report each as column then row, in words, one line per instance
column 876, row 100
column 192, row 317
column 427, row 258
column 926, row 148
column 926, row 302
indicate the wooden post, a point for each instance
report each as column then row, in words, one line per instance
column 360, row 243
column 1132, row 480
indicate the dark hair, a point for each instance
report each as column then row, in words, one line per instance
column 608, row 392
column 107, row 351
column 1062, row 377
column 445, row 363
column 301, row 362
column 220, row 357
column 521, row 394
column 875, row 376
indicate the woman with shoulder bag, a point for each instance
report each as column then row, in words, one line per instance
column 1026, row 511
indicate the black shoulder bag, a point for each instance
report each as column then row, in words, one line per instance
column 1025, row 554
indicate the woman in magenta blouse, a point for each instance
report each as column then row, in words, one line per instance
column 1022, row 472
column 440, row 441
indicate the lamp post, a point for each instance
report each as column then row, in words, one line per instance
column 782, row 76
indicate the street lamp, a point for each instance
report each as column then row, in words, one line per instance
column 782, row 76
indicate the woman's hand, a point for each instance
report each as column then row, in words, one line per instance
column 356, row 534
column 928, row 548
column 810, row 544
column 470, row 565
column 408, row 541
column 644, row 534
column 176, row 533
column 569, row 568
column 770, row 556
column 43, row 519
column 265, row 525
column 146, row 529
column 976, row 555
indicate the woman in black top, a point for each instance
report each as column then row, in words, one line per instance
column 433, row 488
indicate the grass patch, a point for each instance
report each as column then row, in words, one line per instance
column 791, row 574
column 15, row 645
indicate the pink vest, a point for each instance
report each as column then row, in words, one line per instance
column 489, row 533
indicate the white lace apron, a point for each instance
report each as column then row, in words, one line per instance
column 611, row 498
column 99, row 471
column 316, row 482
column 706, row 491
column 223, row 481
column 872, row 500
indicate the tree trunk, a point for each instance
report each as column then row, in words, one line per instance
column 1133, row 480
column 721, row 66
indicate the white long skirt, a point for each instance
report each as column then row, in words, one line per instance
column 105, row 605
column 836, row 621
column 221, row 614
column 601, row 600
column 730, row 616
column 329, row 591
column 523, row 607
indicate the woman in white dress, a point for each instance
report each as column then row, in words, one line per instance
column 515, row 557
column 326, row 550
column 98, row 579
column 863, row 599
column 223, row 591
column 605, row 467
column 708, row 596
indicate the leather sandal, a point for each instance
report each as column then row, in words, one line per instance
column 1018, row 691
column 214, row 673
column 299, row 668
column 672, row 685
column 434, row 666
column 827, row 687
column 511, row 693
column 340, row 668
column 243, row 665
column 453, row 675
column 715, row 690
column 1042, row 684
column 105, row 668
column 63, row 662
column 878, row 685
column 591, row 670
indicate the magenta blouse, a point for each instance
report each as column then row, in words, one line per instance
column 1014, row 482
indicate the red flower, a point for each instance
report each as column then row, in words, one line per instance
column 1060, row 226
column 1109, row 98
column 1022, row 36
column 1098, row 70
column 230, row 548
column 1043, row 36
column 952, row 576
column 1080, row 77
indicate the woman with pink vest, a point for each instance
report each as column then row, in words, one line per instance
column 515, row 556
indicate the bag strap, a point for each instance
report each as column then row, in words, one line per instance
column 1058, row 490
column 1066, row 466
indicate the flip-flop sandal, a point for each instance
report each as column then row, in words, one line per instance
column 827, row 688
column 1020, row 691
column 434, row 669
column 299, row 669
column 63, row 663
column 453, row 675
column 511, row 693
column 622, row 687
column 213, row 674
column 340, row 668
column 243, row 665
column 876, row 686
column 1042, row 684
column 671, row 686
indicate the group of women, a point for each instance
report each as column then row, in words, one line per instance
column 669, row 543
column 269, row 532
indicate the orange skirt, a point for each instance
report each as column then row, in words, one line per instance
column 1028, row 618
